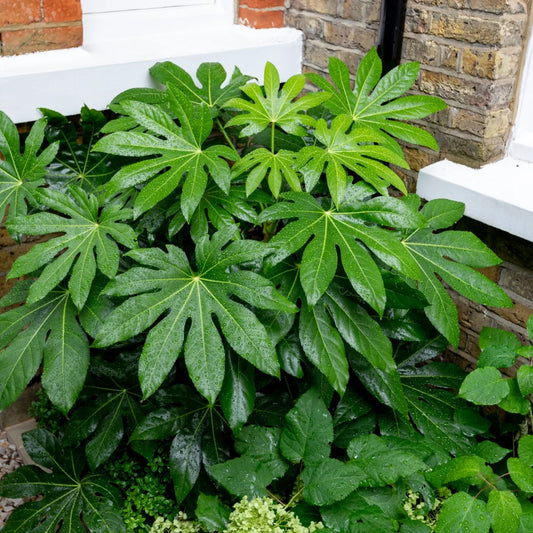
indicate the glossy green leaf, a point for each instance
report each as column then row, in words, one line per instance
column 211, row 76
column 484, row 386
column 70, row 500
column 48, row 329
column 525, row 449
column 354, row 151
column 461, row 513
column 276, row 167
column 432, row 403
column 237, row 395
column 385, row 386
column 524, row 376
column 109, row 413
column 466, row 466
column 355, row 514
column 330, row 481
column 360, row 330
column 343, row 228
column 21, row 173
column 167, row 282
column 490, row 451
column 88, row 243
column 498, row 337
column 382, row 463
column 442, row 213
column 521, row 473
column 323, row 345
column 243, row 476
column 212, row 513
column 220, row 209
column 75, row 162
column 505, row 511
column 185, row 458
column 515, row 402
column 262, row 444
column 174, row 152
column 375, row 102
column 450, row 255
column 497, row 356
column 272, row 105
column 308, row 430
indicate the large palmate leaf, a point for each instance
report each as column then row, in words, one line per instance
column 452, row 256
column 110, row 409
column 353, row 151
column 432, row 403
column 75, row 162
column 49, row 329
column 211, row 77
column 375, row 101
column 261, row 163
column 71, row 502
column 168, row 282
column 89, row 241
column 321, row 231
column 270, row 105
column 21, row 174
column 174, row 151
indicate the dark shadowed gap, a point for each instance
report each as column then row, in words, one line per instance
column 391, row 32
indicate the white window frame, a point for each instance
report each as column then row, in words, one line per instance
column 121, row 43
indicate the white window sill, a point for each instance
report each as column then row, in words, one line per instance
column 499, row 194
column 65, row 80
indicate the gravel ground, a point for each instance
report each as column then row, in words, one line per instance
column 9, row 461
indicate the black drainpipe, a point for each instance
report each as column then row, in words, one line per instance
column 391, row 28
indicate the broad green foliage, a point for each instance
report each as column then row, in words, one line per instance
column 75, row 162
column 21, row 173
column 375, row 101
column 180, row 150
column 70, row 499
column 47, row 329
column 487, row 386
column 195, row 293
column 89, row 242
column 230, row 295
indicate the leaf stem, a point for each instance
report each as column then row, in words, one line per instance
column 273, row 139
column 227, row 137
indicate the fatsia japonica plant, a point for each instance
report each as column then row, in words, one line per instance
column 208, row 243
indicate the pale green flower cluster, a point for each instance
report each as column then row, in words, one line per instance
column 180, row 524
column 416, row 508
column 260, row 515
column 264, row 515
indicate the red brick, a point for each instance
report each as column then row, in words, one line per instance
column 262, row 4
column 19, row 11
column 260, row 19
column 61, row 10
column 40, row 39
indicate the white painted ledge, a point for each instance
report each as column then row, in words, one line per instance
column 65, row 80
column 499, row 194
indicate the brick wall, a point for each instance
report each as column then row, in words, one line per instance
column 37, row 25
column 261, row 13
column 470, row 53
column 345, row 29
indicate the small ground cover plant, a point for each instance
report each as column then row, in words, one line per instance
column 234, row 309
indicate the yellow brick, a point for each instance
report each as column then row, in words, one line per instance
column 466, row 28
column 493, row 64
